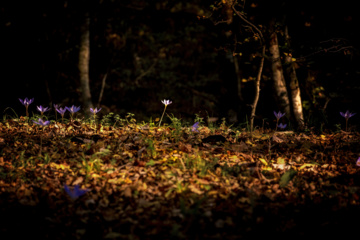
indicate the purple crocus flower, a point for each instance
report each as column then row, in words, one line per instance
column 61, row 111
column 358, row 162
column 95, row 110
column 347, row 114
column 73, row 109
column 41, row 122
column 279, row 115
column 195, row 127
column 42, row 109
column 75, row 192
column 282, row 126
column 26, row 102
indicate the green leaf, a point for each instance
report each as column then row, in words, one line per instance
column 286, row 177
column 150, row 163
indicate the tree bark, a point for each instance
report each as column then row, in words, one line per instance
column 238, row 77
column 295, row 96
column 84, row 60
column 278, row 76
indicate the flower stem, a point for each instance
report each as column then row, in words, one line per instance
column 40, row 144
column 162, row 115
column 346, row 125
column 95, row 122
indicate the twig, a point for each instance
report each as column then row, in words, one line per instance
column 102, row 88
column 182, row 163
column 143, row 74
column 261, row 176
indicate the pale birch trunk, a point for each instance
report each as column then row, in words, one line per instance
column 278, row 76
column 294, row 87
column 84, row 59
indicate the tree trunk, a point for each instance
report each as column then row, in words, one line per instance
column 239, row 98
column 84, row 59
column 258, row 77
column 295, row 96
column 278, row 76
column 238, row 77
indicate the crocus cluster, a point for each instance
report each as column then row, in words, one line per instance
column 279, row 115
column 73, row 109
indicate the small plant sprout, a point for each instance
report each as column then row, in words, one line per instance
column 278, row 115
column 194, row 128
column 347, row 115
column 95, row 111
column 73, row 109
column 282, row 126
column 41, row 123
column 358, row 162
column 76, row 192
column 166, row 103
column 41, row 109
column 26, row 102
column 62, row 113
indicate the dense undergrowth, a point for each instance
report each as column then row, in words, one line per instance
column 142, row 181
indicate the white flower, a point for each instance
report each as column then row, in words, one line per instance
column 166, row 102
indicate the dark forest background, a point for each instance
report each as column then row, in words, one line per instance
column 184, row 51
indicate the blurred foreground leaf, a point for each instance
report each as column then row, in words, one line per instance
column 286, row 177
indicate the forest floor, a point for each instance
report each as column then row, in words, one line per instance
column 172, row 182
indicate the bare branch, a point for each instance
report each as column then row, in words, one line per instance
column 248, row 22
column 143, row 74
column 339, row 46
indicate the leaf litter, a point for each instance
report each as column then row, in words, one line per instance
column 142, row 182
